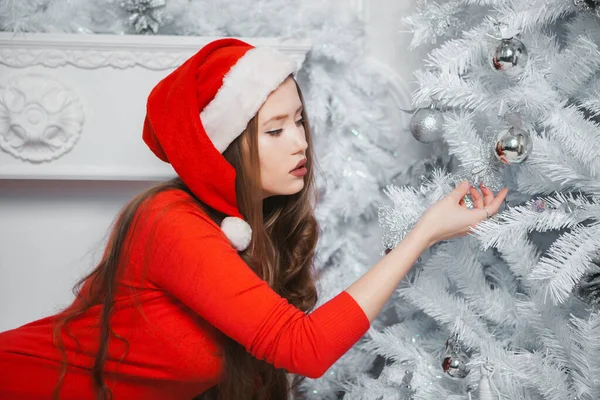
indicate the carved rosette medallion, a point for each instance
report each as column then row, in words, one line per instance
column 40, row 118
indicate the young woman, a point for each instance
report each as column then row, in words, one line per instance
column 205, row 289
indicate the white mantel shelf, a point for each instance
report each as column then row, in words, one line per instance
column 156, row 52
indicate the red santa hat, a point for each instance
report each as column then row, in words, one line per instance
column 195, row 113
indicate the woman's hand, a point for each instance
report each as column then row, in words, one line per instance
column 449, row 217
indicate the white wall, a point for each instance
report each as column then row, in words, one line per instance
column 52, row 232
column 388, row 39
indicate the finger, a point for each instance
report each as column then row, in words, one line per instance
column 497, row 202
column 460, row 191
column 477, row 198
column 462, row 203
column 488, row 195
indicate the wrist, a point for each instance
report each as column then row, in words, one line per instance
column 423, row 235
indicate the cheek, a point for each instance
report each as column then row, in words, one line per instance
column 271, row 161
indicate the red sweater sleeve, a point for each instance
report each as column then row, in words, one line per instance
column 191, row 258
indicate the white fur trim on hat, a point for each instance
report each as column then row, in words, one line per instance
column 237, row 231
column 245, row 88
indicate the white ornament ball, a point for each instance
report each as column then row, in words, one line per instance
column 237, row 231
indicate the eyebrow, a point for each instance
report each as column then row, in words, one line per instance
column 282, row 116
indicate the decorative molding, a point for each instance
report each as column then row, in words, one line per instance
column 40, row 118
column 118, row 51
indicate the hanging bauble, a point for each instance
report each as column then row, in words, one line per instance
column 513, row 146
column 426, row 125
column 454, row 361
column 589, row 5
column 455, row 366
column 509, row 54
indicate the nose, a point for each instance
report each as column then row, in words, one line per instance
column 299, row 140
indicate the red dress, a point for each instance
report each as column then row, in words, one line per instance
column 196, row 285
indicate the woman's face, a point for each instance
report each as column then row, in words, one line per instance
column 282, row 142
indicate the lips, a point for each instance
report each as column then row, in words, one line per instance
column 300, row 164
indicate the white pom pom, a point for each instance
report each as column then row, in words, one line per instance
column 238, row 232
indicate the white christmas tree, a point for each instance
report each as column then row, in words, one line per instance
column 511, row 92
column 346, row 102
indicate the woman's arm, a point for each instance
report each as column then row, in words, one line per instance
column 446, row 219
column 372, row 290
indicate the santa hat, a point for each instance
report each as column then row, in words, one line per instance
column 195, row 113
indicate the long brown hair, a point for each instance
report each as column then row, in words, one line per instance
column 284, row 237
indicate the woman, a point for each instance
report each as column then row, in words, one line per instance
column 205, row 287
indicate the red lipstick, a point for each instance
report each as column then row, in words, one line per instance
column 300, row 169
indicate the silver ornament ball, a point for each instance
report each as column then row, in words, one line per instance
column 454, row 362
column 509, row 54
column 426, row 125
column 513, row 146
column 455, row 367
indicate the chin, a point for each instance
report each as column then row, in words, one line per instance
column 285, row 191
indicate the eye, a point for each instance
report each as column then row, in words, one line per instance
column 276, row 132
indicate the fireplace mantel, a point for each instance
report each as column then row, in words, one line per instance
column 72, row 106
